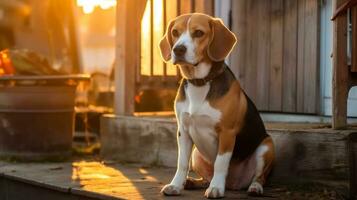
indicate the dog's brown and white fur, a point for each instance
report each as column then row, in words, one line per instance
column 215, row 117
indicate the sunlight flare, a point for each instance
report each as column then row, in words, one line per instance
column 88, row 6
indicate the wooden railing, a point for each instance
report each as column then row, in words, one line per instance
column 129, row 76
column 152, row 71
column 344, row 71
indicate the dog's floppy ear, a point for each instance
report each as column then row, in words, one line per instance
column 166, row 43
column 222, row 41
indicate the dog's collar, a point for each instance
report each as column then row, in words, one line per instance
column 217, row 69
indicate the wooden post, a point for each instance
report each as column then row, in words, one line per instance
column 186, row 6
column 340, row 81
column 73, row 38
column 129, row 14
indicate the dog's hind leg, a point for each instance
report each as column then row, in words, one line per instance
column 264, row 162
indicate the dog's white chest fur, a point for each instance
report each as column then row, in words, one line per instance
column 198, row 119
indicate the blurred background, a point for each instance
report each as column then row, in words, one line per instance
column 282, row 60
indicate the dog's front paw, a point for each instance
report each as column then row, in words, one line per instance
column 171, row 190
column 255, row 189
column 214, row 193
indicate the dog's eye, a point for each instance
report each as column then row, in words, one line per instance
column 198, row 33
column 175, row 33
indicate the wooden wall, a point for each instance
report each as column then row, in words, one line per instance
column 188, row 6
column 276, row 58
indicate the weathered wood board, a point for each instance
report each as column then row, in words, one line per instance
column 290, row 55
column 340, row 80
column 276, row 58
column 204, row 6
column 238, row 55
column 186, row 6
column 98, row 180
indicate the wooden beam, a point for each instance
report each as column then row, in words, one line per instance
column 129, row 14
column 204, row 6
column 73, row 39
column 340, row 83
column 185, row 6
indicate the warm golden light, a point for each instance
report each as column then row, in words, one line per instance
column 150, row 38
column 146, row 41
column 88, row 6
column 158, row 12
column 98, row 177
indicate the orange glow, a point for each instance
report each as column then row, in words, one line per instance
column 88, row 6
column 98, row 177
column 158, row 33
column 151, row 38
column 6, row 66
column 146, row 41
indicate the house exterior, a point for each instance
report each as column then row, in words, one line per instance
column 282, row 59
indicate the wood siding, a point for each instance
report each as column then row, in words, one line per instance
column 276, row 58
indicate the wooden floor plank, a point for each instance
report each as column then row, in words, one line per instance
column 98, row 180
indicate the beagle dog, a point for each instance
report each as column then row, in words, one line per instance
column 217, row 123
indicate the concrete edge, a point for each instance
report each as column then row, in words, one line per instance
column 173, row 121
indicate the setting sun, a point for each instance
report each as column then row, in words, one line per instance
column 88, row 6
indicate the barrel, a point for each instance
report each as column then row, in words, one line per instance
column 37, row 117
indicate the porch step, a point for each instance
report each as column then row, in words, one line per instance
column 311, row 153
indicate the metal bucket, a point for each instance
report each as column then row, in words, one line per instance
column 37, row 118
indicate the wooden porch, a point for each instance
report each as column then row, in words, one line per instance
column 276, row 61
column 286, row 79
column 93, row 180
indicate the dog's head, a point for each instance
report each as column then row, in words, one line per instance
column 193, row 40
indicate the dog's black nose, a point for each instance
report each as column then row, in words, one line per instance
column 180, row 50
